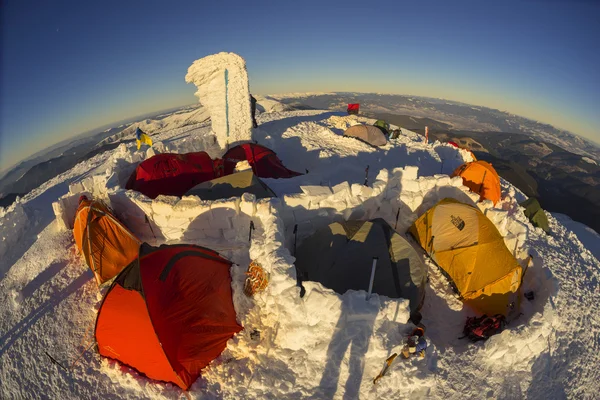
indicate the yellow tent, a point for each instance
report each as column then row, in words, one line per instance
column 466, row 245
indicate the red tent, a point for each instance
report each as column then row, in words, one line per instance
column 454, row 144
column 353, row 108
column 264, row 161
column 171, row 174
column 169, row 313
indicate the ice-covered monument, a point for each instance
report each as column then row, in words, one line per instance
column 222, row 82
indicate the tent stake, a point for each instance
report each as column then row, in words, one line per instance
column 298, row 277
column 56, row 362
column 366, row 175
column 372, row 277
column 250, row 232
column 397, row 216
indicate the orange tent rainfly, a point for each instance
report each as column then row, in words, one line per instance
column 482, row 178
column 107, row 245
column 466, row 245
column 169, row 313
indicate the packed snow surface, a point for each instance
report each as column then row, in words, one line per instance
column 324, row 345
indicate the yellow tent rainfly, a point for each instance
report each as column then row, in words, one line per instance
column 466, row 245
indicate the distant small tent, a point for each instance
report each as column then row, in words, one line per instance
column 535, row 213
column 368, row 134
column 384, row 126
column 353, row 108
column 233, row 185
column 340, row 257
column 106, row 244
column 171, row 174
column 169, row 313
column 264, row 161
column 468, row 248
column 481, row 178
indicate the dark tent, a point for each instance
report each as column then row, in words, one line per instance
column 340, row 257
column 169, row 313
column 264, row 161
column 171, row 174
column 535, row 213
column 233, row 185
column 368, row 134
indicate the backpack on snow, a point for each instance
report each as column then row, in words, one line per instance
column 481, row 328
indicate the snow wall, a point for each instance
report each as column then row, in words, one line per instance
column 225, row 225
column 398, row 196
column 14, row 225
column 222, row 82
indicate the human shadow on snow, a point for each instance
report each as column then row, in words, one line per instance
column 26, row 323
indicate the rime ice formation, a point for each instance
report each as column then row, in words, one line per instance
column 222, row 82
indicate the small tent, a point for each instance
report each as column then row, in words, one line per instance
column 535, row 213
column 368, row 134
column 263, row 161
column 171, row 174
column 468, row 248
column 481, row 178
column 340, row 257
column 353, row 108
column 169, row 313
column 106, row 244
column 233, row 185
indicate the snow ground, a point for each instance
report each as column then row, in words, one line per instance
column 325, row 345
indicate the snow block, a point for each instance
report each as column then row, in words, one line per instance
column 164, row 204
column 222, row 82
column 247, row 204
column 297, row 200
column 410, row 172
column 317, row 191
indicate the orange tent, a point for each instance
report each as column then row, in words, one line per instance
column 482, row 178
column 169, row 313
column 106, row 244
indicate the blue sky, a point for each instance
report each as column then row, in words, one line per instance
column 71, row 66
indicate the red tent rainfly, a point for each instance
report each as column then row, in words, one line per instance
column 169, row 313
column 264, row 161
column 171, row 174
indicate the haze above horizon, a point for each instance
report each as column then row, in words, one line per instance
column 70, row 67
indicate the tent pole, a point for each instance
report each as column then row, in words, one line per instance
column 372, row 277
column 397, row 216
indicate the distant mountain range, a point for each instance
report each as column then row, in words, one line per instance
column 556, row 166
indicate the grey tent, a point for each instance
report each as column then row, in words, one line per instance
column 368, row 134
column 535, row 213
column 340, row 257
column 233, row 185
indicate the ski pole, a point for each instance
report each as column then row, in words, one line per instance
column 372, row 277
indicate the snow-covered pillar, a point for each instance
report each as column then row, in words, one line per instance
column 222, row 82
